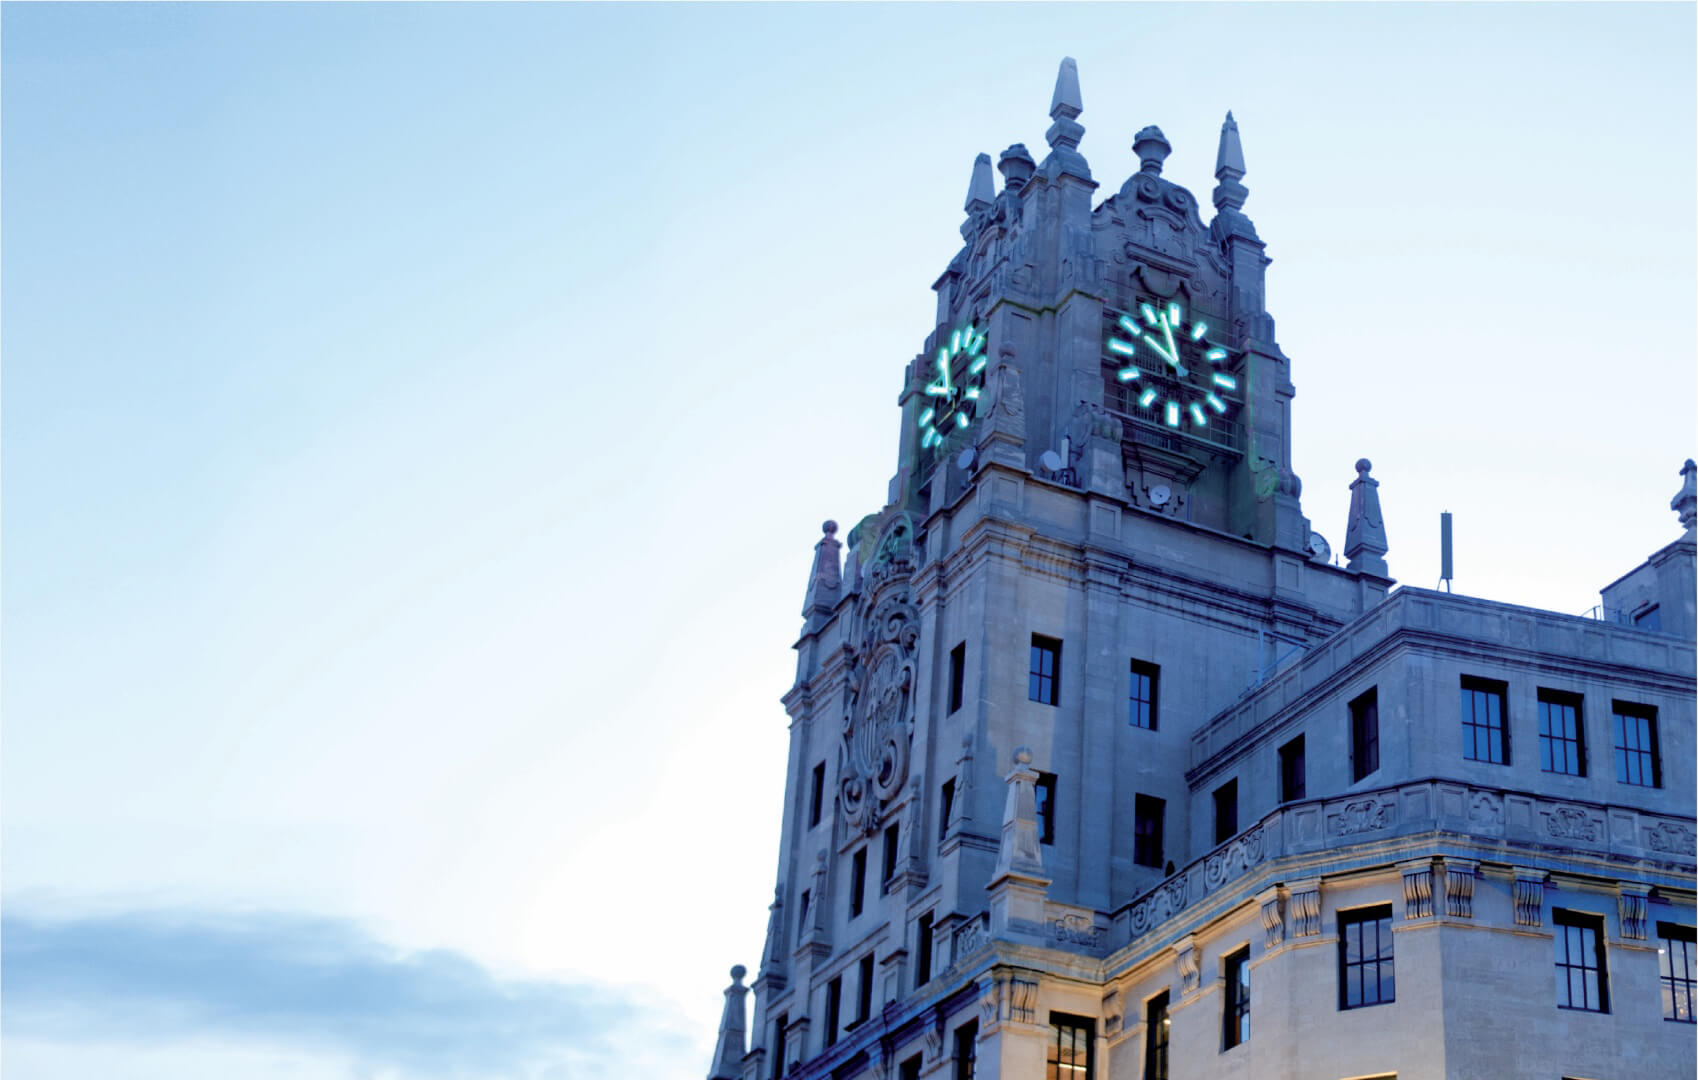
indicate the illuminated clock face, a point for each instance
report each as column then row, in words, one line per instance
column 1175, row 371
column 952, row 397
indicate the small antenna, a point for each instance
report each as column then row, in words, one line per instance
column 1446, row 568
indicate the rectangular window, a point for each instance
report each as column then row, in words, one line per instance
column 946, row 809
column 1293, row 771
column 778, row 1048
column 864, row 1002
column 1365, row 735
column 1156, row 1025
column 1581, row 982
column 833, row 1009
column 1044, row 683
column 1678, row 972
column 1649, row 619
column 1226, row 811
column 923, row 962
column 1365, row 973
column 1236, row 1019
column 910, row 1069
column 1142, row 707
column 1045, row 793
column 892, row 838
column 957, row 675
column 802, row 915
column 1148, row 814
column 817, row 799
column 1562, row 742
column 1070, row 1048
column 966, row 1050
column 1636, row 757
column 857, row 882
column 1485, row 732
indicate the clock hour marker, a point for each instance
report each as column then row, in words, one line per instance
column 1215, row 354
column 978, row 365
column 1197, row 414
column 926, row 417
column 1128, row 374
column 1173, row 314
column 962, row 421
column 1198, row 331
column 1145, row 399
column 1149, row 313
column 972, row 393
column 1226, row 382
column 1215, row 403
column 1173, row 414
column 1124, row 348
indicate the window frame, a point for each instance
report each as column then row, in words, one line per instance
column 1235, row 998
column 833, row 1009
column 1156, row 1020
column 1364, row 734
column 1080, row 1029
column 1044, row 806
column 1147, row 677
column 1626, row 765
column 925, row 942
column 966, row 1050
column 1044, row 687
column 1582, row 923
column 1380, row 917
column 781, row 1044
column 1294, row 750
column 858, row 881
column 816, row 801
column 1141, row 840
column 864, row 992
column 1230, row 790
column 946, row 807
column 1674, row 986
column 1572, row 750
column 1475, row 688
column 957, row 677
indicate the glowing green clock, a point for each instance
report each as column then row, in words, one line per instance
column 1179, row 354
column 950, row 399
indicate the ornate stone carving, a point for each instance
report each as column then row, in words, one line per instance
column 1670, row 837
column 1273, row 921
column 1305, row 906
column 1572, row 822
column 1077, row 929
column 1632, row 910
column 1361, row 815
column 1240, row 855
column 1187, row 960
column 970, row 935
column 876, row 725
column 988, row 994
column 1023, row 1000
column 1529, row 898
column 1485, row 810
column 1417, row 890
column 1459, row 888
column 1168, row 900
column 1114, row 1013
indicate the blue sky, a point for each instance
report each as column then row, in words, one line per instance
column 417, row 420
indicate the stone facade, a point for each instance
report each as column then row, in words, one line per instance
column 1086, row 719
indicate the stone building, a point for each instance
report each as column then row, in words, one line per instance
column 1102, row 766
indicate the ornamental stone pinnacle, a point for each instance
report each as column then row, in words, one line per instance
column 981, row 193
column 1017, row 167
column 1152, row 149
column 1064, row 134
column 826, row 580
column 1365, row 536
column 728, row 1055
column 1686, row 503
column 1229, row 168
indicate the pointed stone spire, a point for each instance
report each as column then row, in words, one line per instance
column 825, row 583
column 1064, row 134
column 728, row 1052
column 1365, row 535
column 1229, row 168
column 1686, row 503
column 981, row 193
column 1019, row 855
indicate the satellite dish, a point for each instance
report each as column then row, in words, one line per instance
column 1160, row 494
column 1318, row 547
column 964, row 460
column 1050, row 460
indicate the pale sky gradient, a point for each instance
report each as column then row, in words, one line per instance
column 417, row 421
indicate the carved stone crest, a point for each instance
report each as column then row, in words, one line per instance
column 1361, row 815
column 875, row 727
column 1573, row 823
column 1670, row 837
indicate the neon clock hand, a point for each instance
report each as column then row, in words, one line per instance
column 1172, row 349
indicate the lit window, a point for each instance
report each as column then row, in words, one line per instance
column 1044, row 683
column 1236, row 1014
column 1636, row 758
column 1365, row 735
column 1142, row 706
column 1485, row 736
column 1678, row 971
column 1156, row 1025
column 1045, row 794
column 1070, row 1049
column 966, row 1050
column 1365, row 973
column 1579, row 940
column 1562, row 741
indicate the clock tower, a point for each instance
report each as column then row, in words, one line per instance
column 1086, row 727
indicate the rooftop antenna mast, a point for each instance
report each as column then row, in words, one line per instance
column 1446, row 569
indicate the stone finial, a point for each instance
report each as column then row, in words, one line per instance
column 1686, row 503
column 1017, row 167
column 1229, row 168
column 729, row 1050
column 825, row 583
column 1365, row 535
column 1152, row 149
column 981, row 193
column 1018, row 855
column 1064, row 107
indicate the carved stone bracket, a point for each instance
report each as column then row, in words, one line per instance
column 1189, row 963
column 1305, row 907
column 1459, row 888
column 1529, row 897
column 1632, row 909
column 1417, row 889
column 1114, row 1013
column 1023, row 999
column 1273, row 917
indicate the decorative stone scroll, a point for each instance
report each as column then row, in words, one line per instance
column 1459, row 888
column 1234, row 860
column 1529, row 897
column 1417, row 889
column 1670, row 837
column 1305, row 908
column 1023, row 999
column 1368, row 814
column 1188, row 961
column 881, row 681
column 1167, row 901
column 1273, row 918
column 1632, row 910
